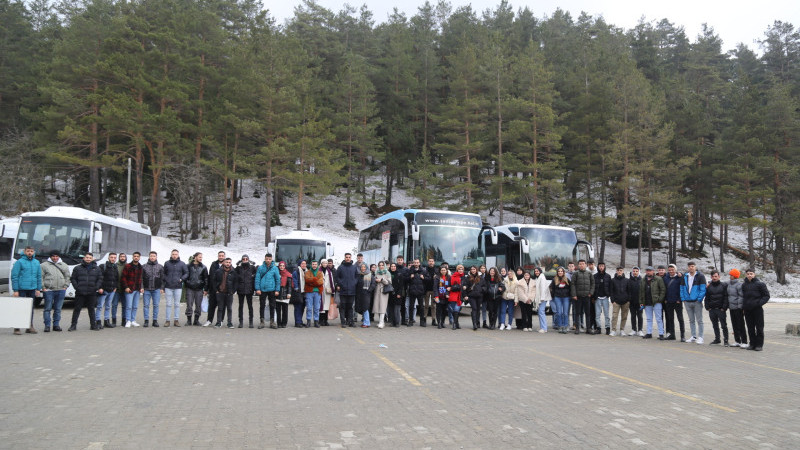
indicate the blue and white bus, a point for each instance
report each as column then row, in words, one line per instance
column 445, row 236
column 529, row 246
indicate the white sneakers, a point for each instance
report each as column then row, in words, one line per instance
column 207, row 324
column 613, row 333
column 691, row 339
column 134, row 323
column 128, row 324
column 735, row 344
column 542, row 330
column 622, row 333
column 641, row 333
column 699, row 340
column 502, row 327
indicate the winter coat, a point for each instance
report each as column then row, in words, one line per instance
column 399, row 284
column 511, row 288
column 110, row 277
column 328, row 283
column 717, row 295
column 87, row 279
column 673, row 285
column 55, row 276
column 245, row 279
column 132, row 276
column 560, row 290
column 430, row 274
column 494, row 288
column 382, row 279
column 455, row 289
column 417, row 279
column 120, row 269
column 582, row 283
column 365, row 287
column 26, row 275
column 634, row 286
column 543, row 289
column 152, row 276
column 698, row 291
column 735, row 298
column 620, row 290
column 299, row 280
column 175, row 273
column 212, row 269
column 657, row 291
column 347, row 278
column 526, row 291
column 472, row 288
column 230, row 283
column 268, row 277
column 197, row 277
column 602, row 284
column 440, row 286
column 754, row 294
column 314, row 281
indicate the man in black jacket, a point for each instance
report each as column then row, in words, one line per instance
column 428, row 303
column 716, row 304
column 637, row 318
column 620, row 289
column 224, row 282
column 110, row 283
column 417, row 276
column 245, row 286
column 602, row 290
column 87, row 279
column 754, row 296
column 346, row 278
column 212, row 294
column 196, row 283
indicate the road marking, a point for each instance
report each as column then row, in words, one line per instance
column 397, row 368
column 738, row 360
column 787, row 345
column 350, row 333
column 640, row 383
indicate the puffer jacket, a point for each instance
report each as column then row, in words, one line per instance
column 560, row 290
column 582, row 283
column 55, row 276
column 754, row 294
column 430, row 274
column 716, row 295
column 698, row 291
column 268, row 277
column 455, row 289
column 735, row 299
column 657, row 291
column 620, row 290
column 526, row 291
column 417, row 278
column 473, row 288
column 346, row 278
column 511, row 288
column 634, row 286
column 673, row 285
column 198, row 277
column 110, row 276
column 87, row 279
column 26, row 275
column 245, row 279
column 175, row 273
column 398, row 283
column 152, row 276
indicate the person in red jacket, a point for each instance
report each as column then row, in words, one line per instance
column 132, row 282
column 454, row 297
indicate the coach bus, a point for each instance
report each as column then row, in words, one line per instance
column 8, row 232
column 299, row 245
column 529, row 246
column 74, row 231
column 445, row 236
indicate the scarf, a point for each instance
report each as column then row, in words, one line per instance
column 285, row 275
column 224, row 286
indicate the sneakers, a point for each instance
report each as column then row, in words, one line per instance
column 648, row 336
column 661, row 337
column 691, row 339
column 218, row 325
column 622, row 333
column 613, row 333
column 146, row 323
column 669, row 335
column 166, row 324
column 127, row 324
column 641, row 333
column 726, row 344
column 541, row 330
column 134, row 323
column 735, row 344
column 207, row 324
column 230, row 325
column 715, row 342
column 155, row 323
column 699, row 341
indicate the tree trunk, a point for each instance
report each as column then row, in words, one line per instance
column 198, row 146
column 268, row 208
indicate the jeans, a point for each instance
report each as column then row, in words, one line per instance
column 507, row 307
column 411, row 307
column 104, row 305
column 131, row 305
column 173, row 301
column 366, row 318
column 54, row 300
column 155, row 294
column 483, row 310
column 452, row 311
column 601, row 304
column 580, row 308
column 542, row 316
column 649, row 310
column 562, row 308
column 224, row 304
column 119, row 297
column 695, row 312
column 298, row 312
column 313, row 301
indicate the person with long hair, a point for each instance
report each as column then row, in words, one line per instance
column 364, row 288
column 398, row 296
column 381, row 299
column 559, row 290
column 441, row 285
column 543, row 297
column 526, row 298
column 454, row 298
column 284, row 295
column 506, row 314
column 473, row 289
column 495, row 289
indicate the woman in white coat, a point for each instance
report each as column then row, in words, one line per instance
column 543, row 297
column 526, row 299
column 381, row 299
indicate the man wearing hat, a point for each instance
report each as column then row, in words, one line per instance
column 735, row 301
column 55, row 281
column 693, row 291
column 672, row 302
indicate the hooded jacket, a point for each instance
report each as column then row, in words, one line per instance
column 657, row 291
column 55, row 276
column 26, row 275
column 735, row 299
column 698, row 291
column 620, row 290
column 526, row 291
column 602, row 284
column 245, row 278
column 417, row 279
column 543, row 289
column 110, row 277
column 455, row 288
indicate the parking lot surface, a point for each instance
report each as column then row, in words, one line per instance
column 195, row 387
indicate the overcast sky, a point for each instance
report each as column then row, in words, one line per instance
column 733, row 20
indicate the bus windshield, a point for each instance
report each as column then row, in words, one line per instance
column 453, row 245
column 549, row 248
column 70, row 237
column 294, row 250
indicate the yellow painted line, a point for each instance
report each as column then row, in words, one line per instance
column 739, row 361
column 640, row 383
column 350, row 333
column 397, row 368
column 786, row 345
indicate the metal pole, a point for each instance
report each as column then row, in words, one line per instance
column 128, row 196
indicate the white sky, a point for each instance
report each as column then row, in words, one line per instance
column 733, row 20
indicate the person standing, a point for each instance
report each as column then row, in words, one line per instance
column 494, row 294
column 212, row 293
column 636, row 309
column 119, row 295
column 620, row 298
column 526, row 298
column 651, row 295
column 417, row 279
column 506, row 315
column 110, row 284
column 717, row 304
column 472, row 288
column 153, row 286
column 284, row 296
column 327, row 291
column 429, row 305
column 693, row 291
column 224, row 284
column 267, row 284
column 754, row 296
column 735, row 301
column 381, row 299
column 346, row 280
column 602, row 285
column 397, row 298
column 298, row 297
column 314, row 286
column 175, row 274
column 55, row 281
column 581, row 288
column 454, row 296
column 543, row 297
column 87, row 279
column 26, row 281
column 245, row 286
column 196, row 285
column 441, row 283
column 132, row 283
column 365, row 288
column 559, row 290
column 672, row 303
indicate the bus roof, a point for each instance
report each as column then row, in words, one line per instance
column 300, row 235
column 531, row 225
column 400, row 214
column 70, row 212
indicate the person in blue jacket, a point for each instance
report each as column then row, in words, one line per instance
column 693, row 291
column 26, row 281
column 268, row 285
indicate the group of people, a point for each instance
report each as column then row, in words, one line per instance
column 395, row 294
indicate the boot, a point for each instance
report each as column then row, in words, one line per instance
column 155, row 323
column 261, row 325
column 316, row 324
column 31, row 330
column 608, row 330
column 240, row 324
column 250, row 325
column 458, row 325
column 380, row 320
column 107, row 323
column 188, row 321
column 146, row 323
column 114, row 322
column 484, row 324
column 196, row 322
column 123, row 322
column 98, row 325
column 166, row 324
column 272, row 325
column 308, row 323
column 422, row 322
column 433, row 322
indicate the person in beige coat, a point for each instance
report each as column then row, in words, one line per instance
column 55, row 281
column 381, row 299
column 509, row 296
column 526, row 299
column 543, row 297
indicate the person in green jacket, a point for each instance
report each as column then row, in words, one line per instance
column 651, row 294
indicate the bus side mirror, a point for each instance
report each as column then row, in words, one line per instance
column 525, row 246
column 415, row 232
column 271, row 248
column 98, row 235
column 330, row 249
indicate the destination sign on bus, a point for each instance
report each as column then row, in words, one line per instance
column 454, row 220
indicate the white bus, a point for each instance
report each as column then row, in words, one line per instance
column 529, row 246
column 8, row 232
column 75, row 231
column 296, row 246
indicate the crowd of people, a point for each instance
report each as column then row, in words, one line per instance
column 581, row 299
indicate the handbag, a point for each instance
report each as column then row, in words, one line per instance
column 387, row 289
